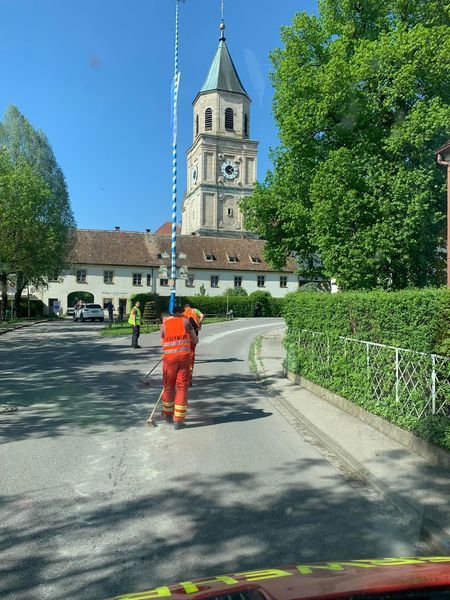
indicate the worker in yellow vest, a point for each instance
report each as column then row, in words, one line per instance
column 177, row 338
column 135, row 321
column 196, row 319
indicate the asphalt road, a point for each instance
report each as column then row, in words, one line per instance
column 94, row 503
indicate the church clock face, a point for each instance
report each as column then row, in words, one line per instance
column 229, row 170
column 194, row 173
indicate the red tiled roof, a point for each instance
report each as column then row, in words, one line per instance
column 166, row 229
column 134, row 248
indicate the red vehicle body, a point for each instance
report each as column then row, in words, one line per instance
column 406, row 577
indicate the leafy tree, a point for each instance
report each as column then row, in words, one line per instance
column 36, row 220
column 362, row 99
column 238, row 291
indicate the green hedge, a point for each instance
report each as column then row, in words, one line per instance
column 417, row 320
column 36, row 308
column 257, row 304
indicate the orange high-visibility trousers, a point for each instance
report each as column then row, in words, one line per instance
column 176, row 378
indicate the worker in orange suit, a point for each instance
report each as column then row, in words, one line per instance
column 177, row 339
column 196, row 319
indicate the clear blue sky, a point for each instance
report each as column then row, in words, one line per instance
column 95, row 75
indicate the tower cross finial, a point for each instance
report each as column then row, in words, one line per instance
column 222, row 22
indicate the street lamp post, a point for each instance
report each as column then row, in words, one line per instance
column 443, row 158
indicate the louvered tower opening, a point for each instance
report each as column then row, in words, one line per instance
column 229, row 119
column 208, row 119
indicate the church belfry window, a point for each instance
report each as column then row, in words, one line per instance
column 229, row 119
column 197, row 125
column 246, row 125
column 208, row 119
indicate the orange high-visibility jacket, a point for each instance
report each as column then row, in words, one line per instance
column 191, row 313
column 176, row 339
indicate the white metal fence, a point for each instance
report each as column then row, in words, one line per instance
column 417, row 381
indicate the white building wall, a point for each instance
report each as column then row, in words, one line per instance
column 121, row 288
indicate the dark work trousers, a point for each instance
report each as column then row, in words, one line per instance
column 135, row 335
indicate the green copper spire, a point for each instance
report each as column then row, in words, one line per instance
column 222, row 74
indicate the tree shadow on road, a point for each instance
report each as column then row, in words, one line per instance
column 189, row 527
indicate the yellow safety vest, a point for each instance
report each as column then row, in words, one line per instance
column 138, row 316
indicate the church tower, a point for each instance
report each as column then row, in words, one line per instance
column 221, row 163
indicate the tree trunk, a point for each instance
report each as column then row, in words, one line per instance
column 4, row 285
column 21, row 284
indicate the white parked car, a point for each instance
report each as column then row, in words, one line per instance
column 90, row 312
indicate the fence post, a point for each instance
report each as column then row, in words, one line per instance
column 433, row 384
column 396, row 376
column 367, row 358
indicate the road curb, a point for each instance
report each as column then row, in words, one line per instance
column 349, row 466
column 22, row 325
column 421, row 447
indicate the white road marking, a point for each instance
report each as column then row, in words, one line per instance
column 217, row 336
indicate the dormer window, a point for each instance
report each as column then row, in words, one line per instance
column 208, row 119
column 229, row 119
column 232, row 258
column 209, row 256
column 255, row 260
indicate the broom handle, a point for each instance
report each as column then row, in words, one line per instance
column 151, row 370
column 154, row 409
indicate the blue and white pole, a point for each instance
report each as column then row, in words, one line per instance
column 176, row 83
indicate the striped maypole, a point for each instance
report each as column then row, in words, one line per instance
column 176, row 83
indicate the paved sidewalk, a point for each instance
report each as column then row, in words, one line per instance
column 420, row 490
column 20, row 325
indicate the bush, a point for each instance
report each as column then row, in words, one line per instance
column 36, row 308
column 257, row 304
column 238, row 291
column 161, row 302
column 416, row 320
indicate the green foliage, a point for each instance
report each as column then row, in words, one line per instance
column 36, row 308
column 414, row 319
column 161, row 302
column 36, row 221
column 362, row 100
column 235, row 291
column 417, row 320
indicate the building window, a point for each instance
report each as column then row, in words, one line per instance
column 190, row 281
column 197, row 125
column 229, row 212
column 255, row 260
column 108, row 276
column 149, row 280
column 261, row 280
column 106, row 301
column 229, row 119
column 164, row 282
column 246, row 125
column 53, row 276
column 81, row 276
column 237, row 282
column 214, row 281
column 232, row 258
column 208, row 119
column 283, row 281
column 209, row 256
column 137, row 278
